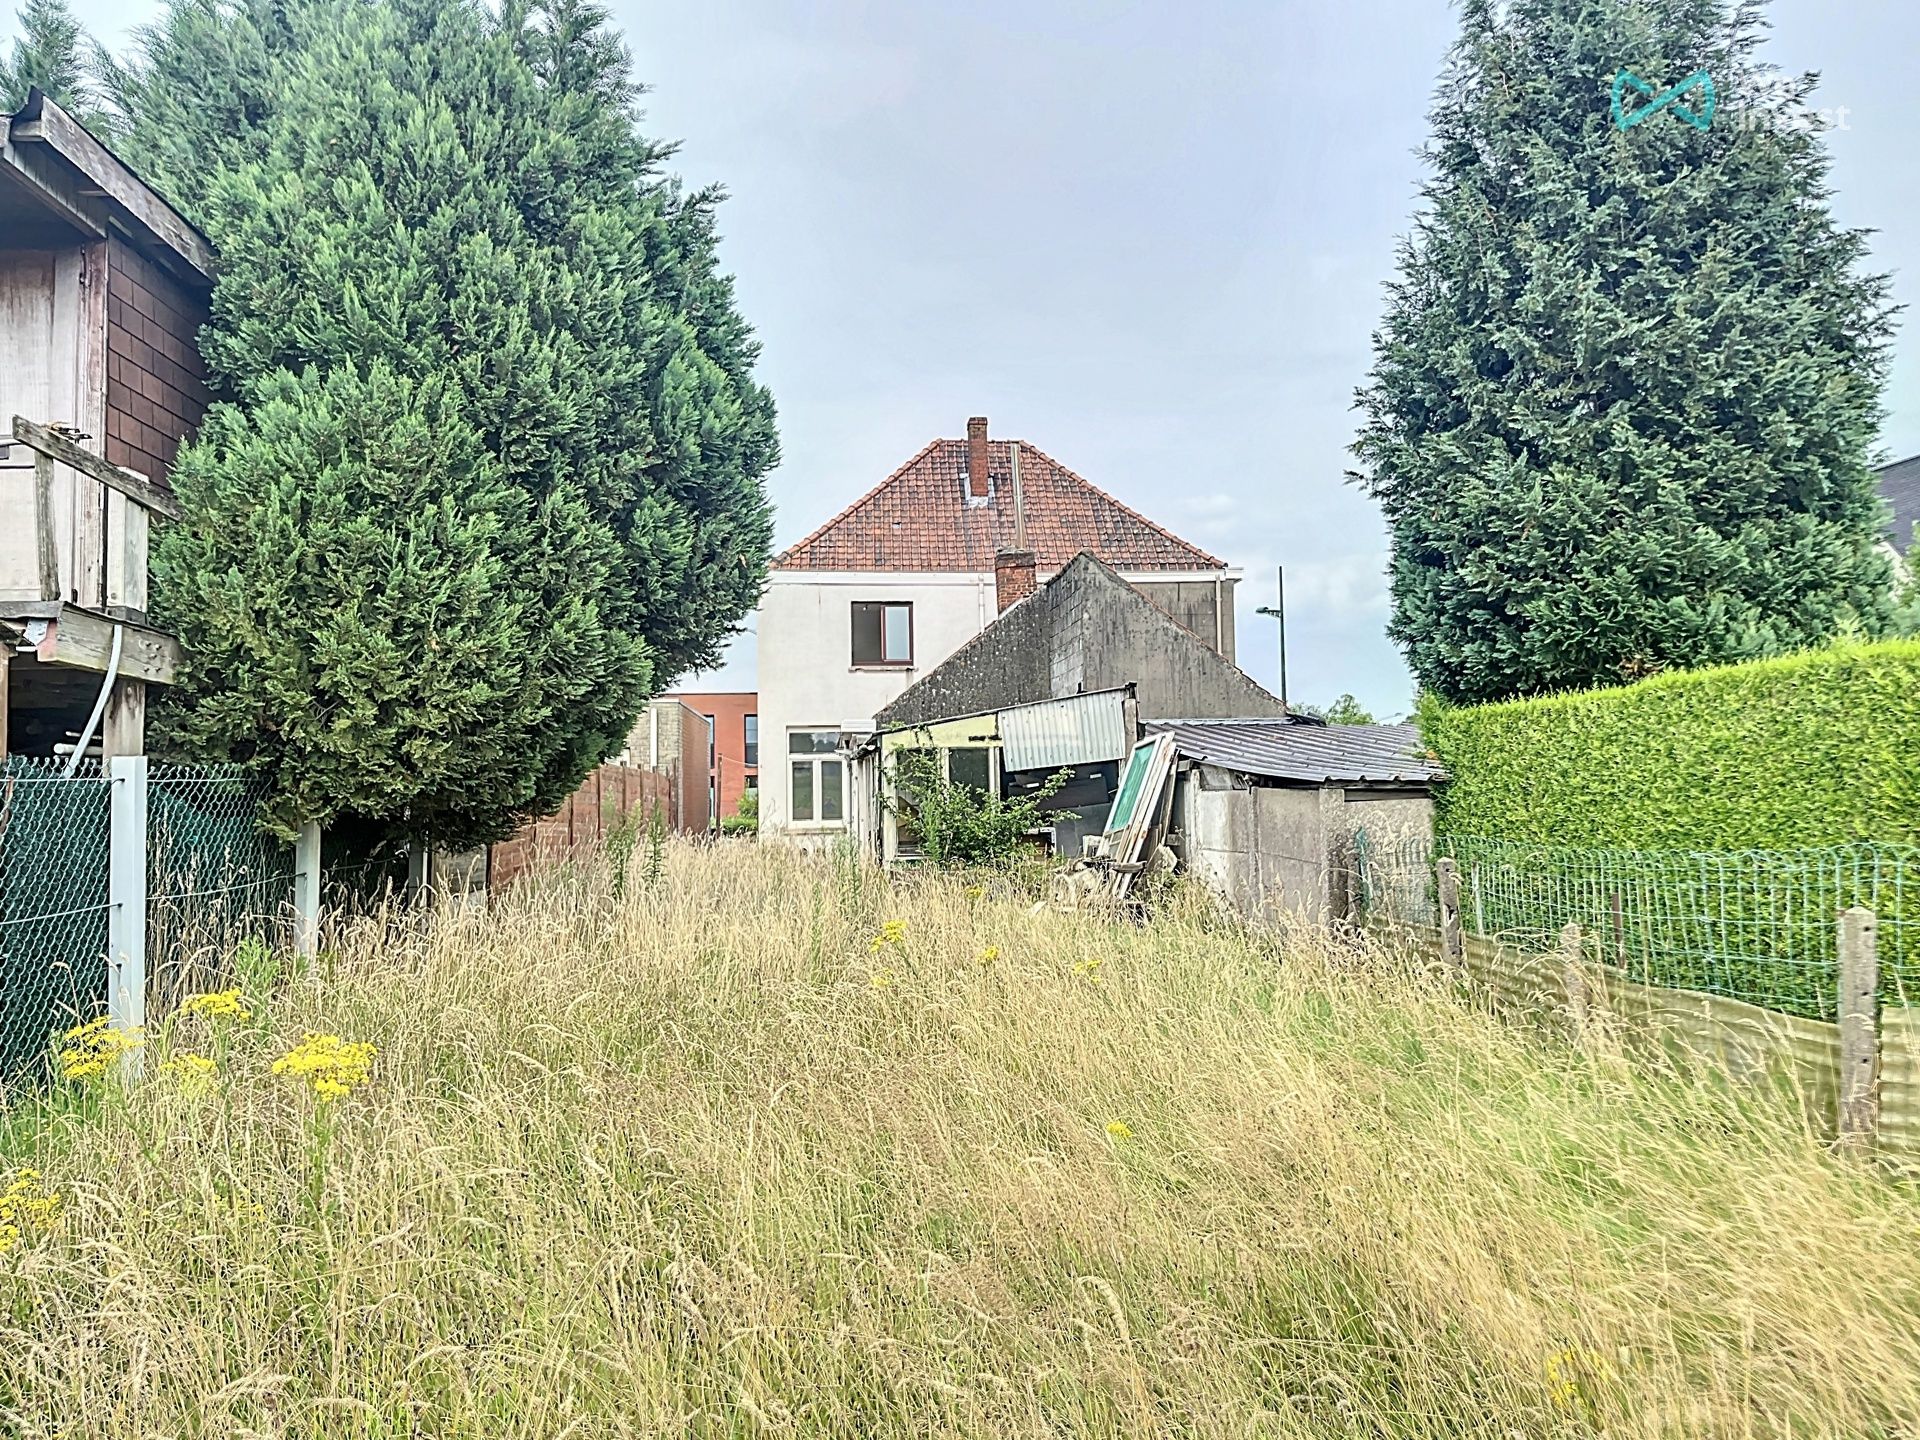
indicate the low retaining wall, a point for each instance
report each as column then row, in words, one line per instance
column 1751, row 1044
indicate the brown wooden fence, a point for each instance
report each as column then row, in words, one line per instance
column 591, row 812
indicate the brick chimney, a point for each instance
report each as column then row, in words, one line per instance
column 1012, row 577
column 977, row 457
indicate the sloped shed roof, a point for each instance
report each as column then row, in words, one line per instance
column 1306, row 753
column 1900, row 488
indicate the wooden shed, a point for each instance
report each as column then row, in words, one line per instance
column 103, row 290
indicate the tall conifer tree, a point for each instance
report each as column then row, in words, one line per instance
column 487, row 468
column 54, row 53
column 1628, row 381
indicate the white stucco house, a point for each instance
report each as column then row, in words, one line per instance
column 910, row 572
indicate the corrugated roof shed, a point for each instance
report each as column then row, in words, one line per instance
column 1900, row 488
column 1309, row 754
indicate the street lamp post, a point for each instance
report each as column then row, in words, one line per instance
column 1279, row 612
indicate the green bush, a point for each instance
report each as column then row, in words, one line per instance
column 958, row 824
column 1703, row 826
column 1820, row 748
column 745, row 819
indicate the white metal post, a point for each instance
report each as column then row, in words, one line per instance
column 127, row 898
column 306, row 890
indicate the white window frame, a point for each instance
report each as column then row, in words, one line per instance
column 817, row 758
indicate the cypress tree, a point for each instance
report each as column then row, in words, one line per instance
column 1626, row 387
column 54, row 53
column 486, row 470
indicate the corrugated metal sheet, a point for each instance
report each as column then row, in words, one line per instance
column 1079, row 730
column 1900, row 1082
column 1315, row 754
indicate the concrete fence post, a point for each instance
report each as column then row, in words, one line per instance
column 1859, row 1028
column 1573, row 975
column 306, row 890
column 127, row 899
column 1452, row 943
column 420, row 869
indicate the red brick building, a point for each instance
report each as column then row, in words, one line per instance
column 733, row 759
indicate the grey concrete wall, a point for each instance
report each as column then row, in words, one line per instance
column 1193, row 604
column 1279, row 851
column 1086, row 629
column 1262, row 848
column 1177, row 675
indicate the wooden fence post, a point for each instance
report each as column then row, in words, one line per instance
column 1859, row 1028
column 1574, row 977
column 1452, row 943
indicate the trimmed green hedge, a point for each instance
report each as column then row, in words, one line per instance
column 1821, row 748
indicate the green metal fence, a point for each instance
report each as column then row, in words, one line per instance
column 53, row 905
column 214, row 878
column 1758, row 926
column 213, row 881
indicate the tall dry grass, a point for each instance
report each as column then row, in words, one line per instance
column 698, row 1161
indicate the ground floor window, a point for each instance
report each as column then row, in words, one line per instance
column 975, row 766
column 816, row 792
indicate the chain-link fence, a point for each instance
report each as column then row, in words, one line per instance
column 1758, row 926
column 214, row 878
column 53, row 904
column 214, row 881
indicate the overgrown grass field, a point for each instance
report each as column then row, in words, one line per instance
column 766, row 1146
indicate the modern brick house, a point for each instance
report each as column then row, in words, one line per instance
column 733, row 749
column 912, row 570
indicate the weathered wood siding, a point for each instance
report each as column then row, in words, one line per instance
column 156, row 384
column 52, row 367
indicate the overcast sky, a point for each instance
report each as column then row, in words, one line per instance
column 1148, row 236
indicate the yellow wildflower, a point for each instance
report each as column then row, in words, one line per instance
column 90, row 1048
column 881, row 979
column 975, row 892
column 217, row 1005
column 193, row 1073
column 1570, row 1373
column 989, row 955
column 331, row 1065
column 894, row 933
column 1088, row 968
column 1119, row 1130
column 25, row 1205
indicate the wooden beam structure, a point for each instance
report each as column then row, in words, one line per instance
column 51, row 445
column 106, row 175
column 82, row 639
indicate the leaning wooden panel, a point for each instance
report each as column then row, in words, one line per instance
column 1900, row 1082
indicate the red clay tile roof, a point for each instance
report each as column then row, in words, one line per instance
column 920, row 518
